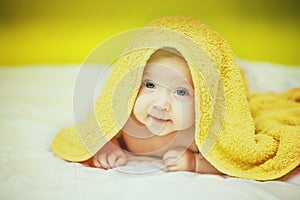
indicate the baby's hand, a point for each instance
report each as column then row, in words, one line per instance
column 179, row 159
column 109, row 156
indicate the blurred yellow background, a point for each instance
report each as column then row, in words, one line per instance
column 66, row 31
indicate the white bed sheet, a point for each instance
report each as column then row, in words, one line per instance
column 37, row 101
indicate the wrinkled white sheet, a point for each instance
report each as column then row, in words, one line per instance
column 37, row 101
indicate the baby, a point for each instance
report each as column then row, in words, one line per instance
column 162, row 120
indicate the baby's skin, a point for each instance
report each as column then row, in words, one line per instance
column 162, row 121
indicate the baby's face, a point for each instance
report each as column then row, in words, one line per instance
column 165, row 102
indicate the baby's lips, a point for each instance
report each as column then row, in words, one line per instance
column 159, row 119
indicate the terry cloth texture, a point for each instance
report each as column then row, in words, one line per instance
column 253, row 136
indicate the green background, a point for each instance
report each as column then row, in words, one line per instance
column 66, row 31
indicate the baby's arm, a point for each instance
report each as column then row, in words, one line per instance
column 203, row 166
column 109, row 156
column 179, row 159
column 185, row 160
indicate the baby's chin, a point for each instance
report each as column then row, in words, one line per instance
column 159, row 133
column 165, row 131
column 158, row 128
column 161, row 130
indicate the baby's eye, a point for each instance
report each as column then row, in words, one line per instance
column 181, row 92
column 149, row 85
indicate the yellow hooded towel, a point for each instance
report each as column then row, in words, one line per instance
column 253, row 136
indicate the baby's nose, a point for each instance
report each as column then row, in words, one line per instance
column 162, row 107
column 163, row 101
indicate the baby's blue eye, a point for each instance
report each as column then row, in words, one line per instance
column 181, row 92
column 150, row 85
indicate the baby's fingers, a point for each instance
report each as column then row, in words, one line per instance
column 117, row 159
column 102, row 159
column 121, row 160
column 170, row 161
column 171, row 156
column 173, row 168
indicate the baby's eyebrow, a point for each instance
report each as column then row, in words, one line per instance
column 146, row 73
column 182, row 82
column 146, row 80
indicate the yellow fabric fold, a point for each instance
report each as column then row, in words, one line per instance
column 253, row 136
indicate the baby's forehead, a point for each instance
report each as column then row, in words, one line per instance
column 167, row 65
column 166, row 53
column 165, row 74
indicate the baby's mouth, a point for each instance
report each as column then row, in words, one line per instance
column 159, row 120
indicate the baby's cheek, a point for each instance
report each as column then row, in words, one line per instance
column 143, row 100
column 188, row 115
column 140, row 106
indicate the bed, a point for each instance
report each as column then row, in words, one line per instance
column 37, row 101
